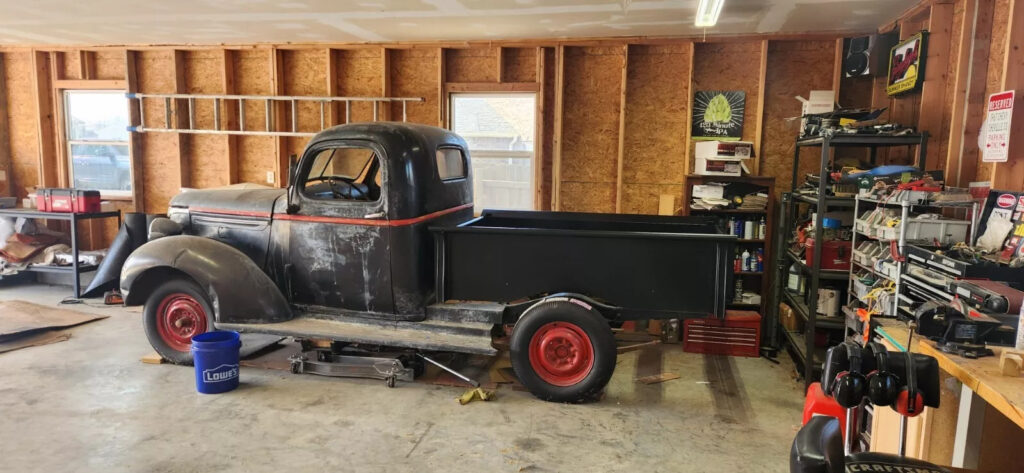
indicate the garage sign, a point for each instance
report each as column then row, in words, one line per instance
column 995, row 147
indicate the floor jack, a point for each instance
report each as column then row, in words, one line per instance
column 349, row 362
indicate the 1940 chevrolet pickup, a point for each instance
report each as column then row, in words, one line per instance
column 375, row 242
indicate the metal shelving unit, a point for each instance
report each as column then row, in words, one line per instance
column 803, row 347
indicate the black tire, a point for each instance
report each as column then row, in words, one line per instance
column 582, row 384
column 152, row 315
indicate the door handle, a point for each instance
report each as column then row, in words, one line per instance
column 374, row 215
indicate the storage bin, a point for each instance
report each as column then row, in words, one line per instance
column 928, row 229
column 67, row 200
column 836, row 254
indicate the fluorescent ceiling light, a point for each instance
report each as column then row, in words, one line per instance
column 707, row 13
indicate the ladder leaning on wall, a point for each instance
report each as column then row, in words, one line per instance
column 185, row 104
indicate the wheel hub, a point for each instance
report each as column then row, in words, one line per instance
column 181, row 317
column 561, row 353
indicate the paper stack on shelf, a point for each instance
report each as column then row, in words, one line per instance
column 757, row 201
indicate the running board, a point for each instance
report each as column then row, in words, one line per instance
column 461, row 337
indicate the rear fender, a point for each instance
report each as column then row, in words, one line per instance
column 239, row 291
column 515, row 311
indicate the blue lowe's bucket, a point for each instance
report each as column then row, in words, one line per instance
column 215, row 356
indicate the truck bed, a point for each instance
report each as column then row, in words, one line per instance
column 649, row 266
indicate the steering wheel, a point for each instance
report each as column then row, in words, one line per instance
column 335, row 192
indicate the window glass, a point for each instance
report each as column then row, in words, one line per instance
column 350, row 173
column 97, row 131
column 499, row 129
column 450, row 164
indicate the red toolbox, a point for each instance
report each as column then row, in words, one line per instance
column 67, row 200
column 836, row 254
column 739, row 334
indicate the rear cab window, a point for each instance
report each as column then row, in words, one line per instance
column 451, row 164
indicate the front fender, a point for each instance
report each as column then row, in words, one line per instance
column 239, row 291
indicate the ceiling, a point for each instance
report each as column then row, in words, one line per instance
column 119, row 22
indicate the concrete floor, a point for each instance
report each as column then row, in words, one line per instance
column 89, row 404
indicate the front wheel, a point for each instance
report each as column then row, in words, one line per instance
column 174, row 313
column 562, row 351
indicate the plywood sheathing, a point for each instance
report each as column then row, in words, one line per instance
column 413, row 74
column 590, row 115
column 519, row 65
column 23, row 133
column 207, row 153
column 794, row 68
column 360, row 72
column 109, row 64
column 963, row 154
column 71, row 65
column 305, row 71
column 155, row 70
column 255, row 153
column 997, row 58
column 479, row 64
column 734, row 66
column 5, row 141
column 656, row 125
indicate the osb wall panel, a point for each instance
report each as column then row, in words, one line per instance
column 657, row 101
column 855, row 92
column 548, row 124
column 471, row 65
column 255, row 153
column 208, row 161
column 794, row 68
column 360, row 74
column 519, row 65
column 994, row 77
column 72, row 62
column 414, row 74
column 109, row 64
column 590, row 125
column 305, row 73
column 588, row 197
column 21, row 121
column 160, row 166
column 732, row 66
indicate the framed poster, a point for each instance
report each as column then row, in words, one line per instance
column 718, row 115
column 906, row 65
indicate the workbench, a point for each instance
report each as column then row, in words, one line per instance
column 980, row 421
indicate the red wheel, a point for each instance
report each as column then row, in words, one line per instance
column 561, row 353
column 180, row 317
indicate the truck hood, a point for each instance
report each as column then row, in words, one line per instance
column 239, row 201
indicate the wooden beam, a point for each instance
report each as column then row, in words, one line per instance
column 277, row 87
column 111, row 84
column 837, row 69
column 229, row 113
column 759, row 131
column 442, row 81
column 687, row 166
column 620, row 156
column 385, row 86
column 501, row 64
column 961, row 82
column 62, row 159
column 1010, row 175
column 86, row 64
column 538, row 142
column 7, row 181
column 556, row 162
column 333, row 110
column 967, row 161
column 47, row 165
column 181, row 110
column 492, row 87
column 135, row 139
column 933, row 91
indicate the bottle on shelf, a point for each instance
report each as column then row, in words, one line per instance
column 793, row 281
column 749, row 229
column 738, row 228
column 762, row 228
column 737, row 264
column 760, row 260
column 746, row 260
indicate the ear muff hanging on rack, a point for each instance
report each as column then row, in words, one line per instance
column 909, row 402
column 850, row 386
column 883, row 386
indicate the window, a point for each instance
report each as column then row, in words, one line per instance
column 450, row 164
column 97, row 133
column 344, row 174
column 499, row 129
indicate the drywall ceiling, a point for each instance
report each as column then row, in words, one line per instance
column 114, row 22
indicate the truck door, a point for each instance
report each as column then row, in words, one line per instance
column 338, row 236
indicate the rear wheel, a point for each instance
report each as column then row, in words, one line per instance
column 563, row 352
column 174, row 313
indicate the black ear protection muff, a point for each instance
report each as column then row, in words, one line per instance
column 850, row 386
column 909, row 402
column 883, row 386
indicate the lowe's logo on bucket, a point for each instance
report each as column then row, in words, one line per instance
column 220, row 373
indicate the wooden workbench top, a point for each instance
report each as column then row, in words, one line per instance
column 981, row 375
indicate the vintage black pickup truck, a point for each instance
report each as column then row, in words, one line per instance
column 374, row 242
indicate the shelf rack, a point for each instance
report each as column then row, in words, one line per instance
column 807, row 354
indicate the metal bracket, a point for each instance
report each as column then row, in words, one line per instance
column 347, row 366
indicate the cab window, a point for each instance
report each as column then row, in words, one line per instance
column 450, row 164
column 344, row 173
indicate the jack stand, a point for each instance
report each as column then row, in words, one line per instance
column 389, row 369
column 453, row 372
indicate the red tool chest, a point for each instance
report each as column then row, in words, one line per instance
column 67, row 200
column 739, row 334
column 836, row 254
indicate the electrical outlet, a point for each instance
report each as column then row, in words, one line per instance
column 270, row 177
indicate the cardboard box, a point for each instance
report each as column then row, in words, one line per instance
column 788, row 319
column 714, row 192
column 820, row 101
column 718, row 167
column 724, row 149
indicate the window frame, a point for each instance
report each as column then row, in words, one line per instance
column 532, row 90
column 462, row 156
column 302, row 174
column 68, row 156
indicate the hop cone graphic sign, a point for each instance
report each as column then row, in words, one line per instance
column 718, row 115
